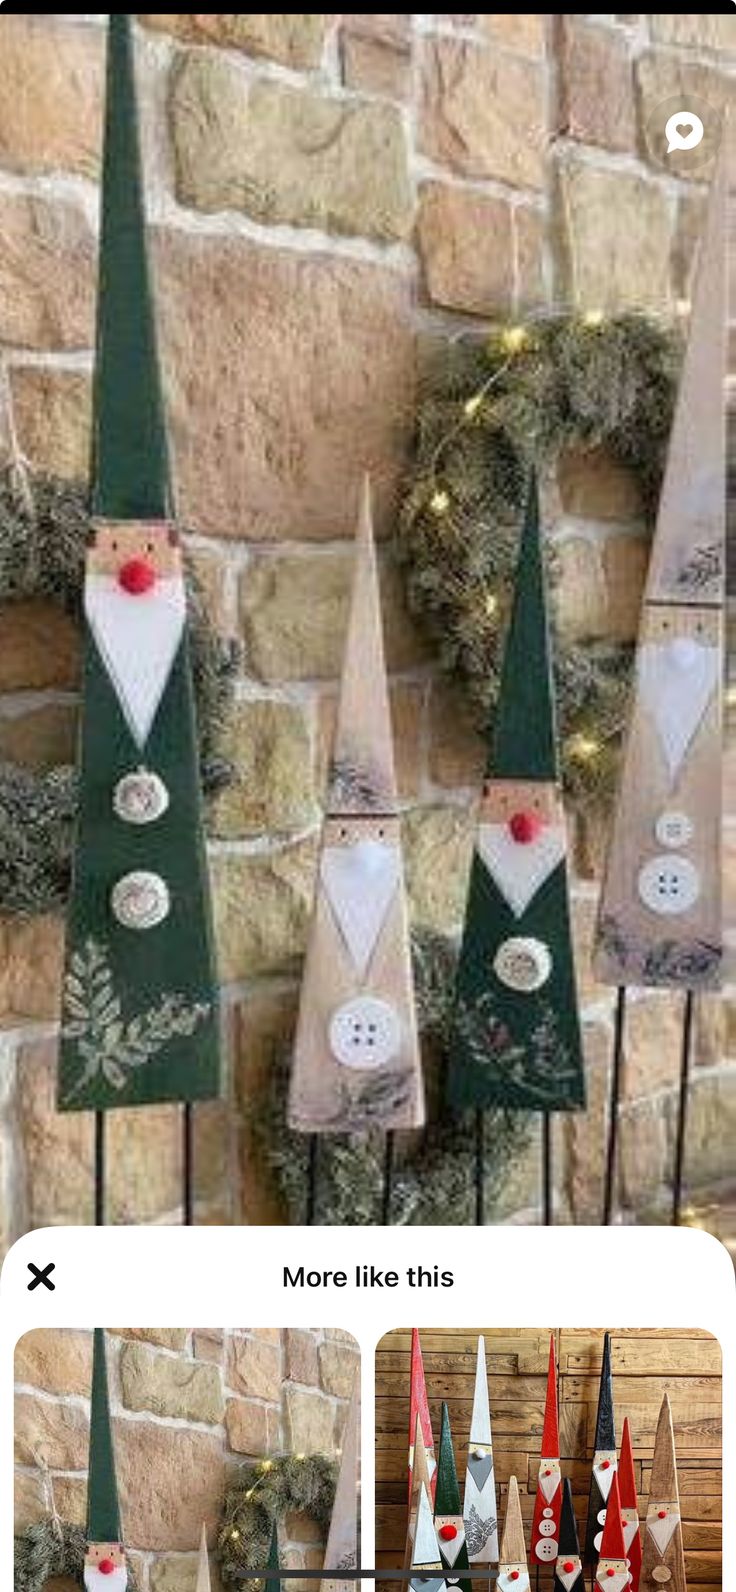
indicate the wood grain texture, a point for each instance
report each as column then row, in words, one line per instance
column 645, row 1364
column 512, row 1549
column 664, row 1500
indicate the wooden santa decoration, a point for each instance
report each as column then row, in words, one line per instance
column 662, row 1547
column 548, row 1501
column 448, row 1517
column 605, row 1461
column 139, row 1011
column 341, row 1552
column 513, row 1574
column 356, row 1056
column 203, row 1565
column 427, row 1574
column 629, row 1506
column 516, row 1034
column 568, row 1564
column 480, row 1506
column 419, row 1410
column 660, row 911
column 420, row 1477
column 612, row 1571
column 105, row 1567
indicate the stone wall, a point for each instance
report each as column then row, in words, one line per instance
column 189, row 1405
column 328, row 194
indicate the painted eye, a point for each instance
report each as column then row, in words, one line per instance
column 114, row 546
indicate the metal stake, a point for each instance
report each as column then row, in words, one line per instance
column 613, row 1108
column 686, row 1058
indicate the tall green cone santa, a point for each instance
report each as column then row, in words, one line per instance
column 272, row 1583
column 104, row 1561
column 139, row 1018
column 516, row 1036
column 448, row 1515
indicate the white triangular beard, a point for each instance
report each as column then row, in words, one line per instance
column 449, row 1551
column 360, row 883
column 613, row 1583
column 505, row 1584
column 549, row 1485
column 568, row 1578
column 630, row 1529
column 662, row 1531
column 604, row 1479
column 677, row 694
column 138, row 638
column 116, row 1581
column 520, row 869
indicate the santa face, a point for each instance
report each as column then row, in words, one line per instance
column 521, row 837
column 569, row 1570
column 662, row 1522
column 679, row 669
column 451, row 1537
column 550, row 1477
column 360, row 873
column 135, row 605
column 612, row 1575
column 512, row 1578
column 104, row 1567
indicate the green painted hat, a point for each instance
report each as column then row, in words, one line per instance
column 103, row 1510
column 272, row 1582
column 524, row 736
column 130, row 473
column 447, row 1496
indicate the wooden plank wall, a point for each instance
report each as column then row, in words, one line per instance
column 646, row 1364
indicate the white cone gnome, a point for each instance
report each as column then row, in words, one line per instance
column 341, row 1552
column 356, row 1054
column 480, row 1507
column 660, row 911
column 427, row 1574
column 105, row 1568
column 419, row 1477
column 513, row 1574
column 662, row 1546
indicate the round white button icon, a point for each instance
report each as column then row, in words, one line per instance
column 365, row 1032
column 674, row 829
column 669, row 885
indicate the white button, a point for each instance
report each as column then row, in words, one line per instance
column 522, row 964
column 548, row 1514
column 669, row 885
column 547, row 1528
column 547, row 1549
column 365, row 1033
column 140, row 798
column 601, row 1517
column 140, row 900
column 673, row 829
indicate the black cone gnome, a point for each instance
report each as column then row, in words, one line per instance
column 139, row 1021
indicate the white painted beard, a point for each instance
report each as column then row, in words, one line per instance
column 519, row 870
column 95, row 1581
column 360, row 882
column 138, row 638
column 678, row 679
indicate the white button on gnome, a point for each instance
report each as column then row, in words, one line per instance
column 140, row 900
column 522, row 963
column 674, row 829
column 140, row 798
column 669, row 885
column 365, row 1032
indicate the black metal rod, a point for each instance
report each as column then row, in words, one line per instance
column 388, row 1174
column 480, row 1169
column 613, row 1104
column 685, row 1060
column 188, row 1164
column 549, row 1215
column 99, row 1168
column 312, row 1169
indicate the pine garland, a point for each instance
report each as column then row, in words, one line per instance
column 52, row 1548
column 433, row 1179
column 44, row 531
column 490, row 409
column 265, row 1493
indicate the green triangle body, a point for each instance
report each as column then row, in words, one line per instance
column 272, row 1583
column 103, row 1510
column 524, row 735
column 447, row 1495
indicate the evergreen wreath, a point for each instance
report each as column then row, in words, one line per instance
column 265, row 1493
column 52, row 1548
column 433, row 1180
column 489, row 410
column 44, row 531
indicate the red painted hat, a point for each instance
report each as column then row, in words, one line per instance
column 626, row 1476
column 613, row 1545
column 551, row 1432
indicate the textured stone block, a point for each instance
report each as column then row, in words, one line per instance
column 166, row 1386
column 338, row 1366
column 55, row 123
column 531, row 236
column 617, row 239
column 52, row 419
column 50, row 1433
column 185, row 1474
column 599, row 591
column 466, row 248
column 302, row 1360
column 39, row 647
column 592, row 485
column 376, row 66
column 310, row 1422
column 597, row 86
column 59, row 1361
column 293, row 40
column 516, row 32
column 287, row 155
column 264, row 1025
column 254, row 1368
column 584, row 1132
column 30, row 1502
column 40, row 738
column 457, row 751
column 164, row 1337
column 482, row 115
column 438, row 846
column 279, row 890
column 662, row 77
column 694, row 31
column 270, row 748
column 247, row 1427
column 269, row 457
column 30, row 969
column 47, row 273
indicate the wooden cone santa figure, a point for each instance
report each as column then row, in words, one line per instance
column 427, row 1574
column 105, row 1568
column 341, row 1552
column 420, row 1477
column 548, row 1502
column 516, row 1034
column 659, row 919
column 448, row 1516
column 356, row 1055
column 612, row 1573
column 629, row 1506
column 513, row 1575
column 272, row 1583
column 419, row 1410
column 605, row 1462
column 139, row 1006
column 662, row 1547
column 203, row 1564
column 480, row 1506
column 568, row 1564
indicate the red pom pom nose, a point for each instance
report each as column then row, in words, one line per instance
column 568, row 1566
column 662, row 1514
column 605, row 1464
column 448, row 1532
column 137, row 576
column 525, row 827
column 514, row 1576
column 106, row 1567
